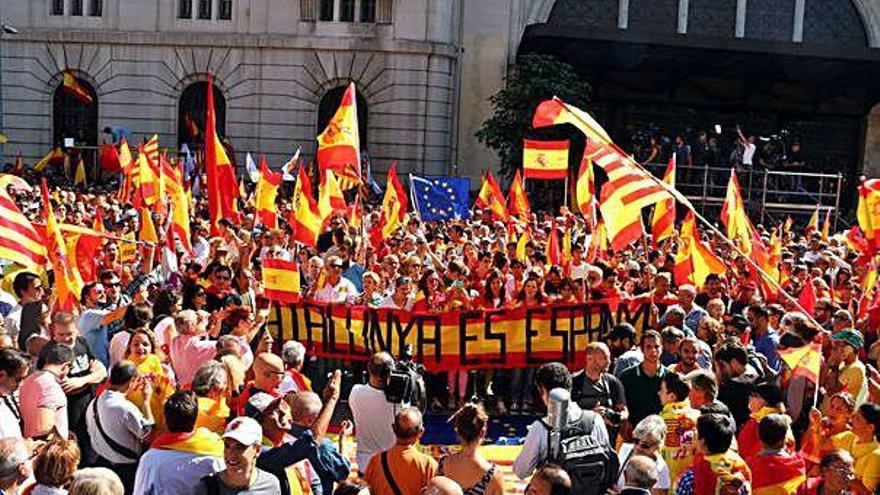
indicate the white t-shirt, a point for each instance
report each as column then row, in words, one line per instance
column 169, row 471
column 662, row 469
column 13, row 322
column 343, row 291
column 9, row 425
column 373, row 416
column 748, row 154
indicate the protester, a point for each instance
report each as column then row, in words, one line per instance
column 680, row 446
column 835, row 475
column 211, row 385
column 328, row 462
column 765, row 399
column 14, row 366
column 95, row 481
column 241, row 446
column 55, row 466
column 43, row 402
column 640, row 475
column 649, row 436
column 717, row 469
column 596, row 389
column 28, row 289
column 776, row 466
column 16, row 467
column 189, row 349
column 402, row 469
column 549, row 480
column 642, row 383
column 469, row 468
column 370, row 410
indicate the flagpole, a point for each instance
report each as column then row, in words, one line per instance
column 686, row 202
column 565, row 197
column 412, row 193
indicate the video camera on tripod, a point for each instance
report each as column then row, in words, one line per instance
column 406, row 382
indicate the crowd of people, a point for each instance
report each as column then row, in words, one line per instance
column 167, row 379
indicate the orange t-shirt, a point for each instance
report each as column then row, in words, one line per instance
column 410, row 468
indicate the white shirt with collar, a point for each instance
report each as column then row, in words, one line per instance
column 10, row 415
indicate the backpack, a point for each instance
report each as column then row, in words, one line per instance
column 592, row 466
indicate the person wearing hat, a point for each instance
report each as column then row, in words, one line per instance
column 845, row 371
column 765, row 399
column 241, row 447
column 336, row 289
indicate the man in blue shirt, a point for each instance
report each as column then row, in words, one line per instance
column 764, row 338
column 331, row 466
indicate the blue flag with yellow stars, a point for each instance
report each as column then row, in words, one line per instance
column 441, row 198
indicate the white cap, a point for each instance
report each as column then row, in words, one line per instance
column 244, row 430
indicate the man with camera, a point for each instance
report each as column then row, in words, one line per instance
column 371, row 410
column 597, row 390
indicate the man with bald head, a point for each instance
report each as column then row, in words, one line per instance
column 371, row 410
column 403, row 464
column 596, row 389
column 268, row 373
column 330, row 465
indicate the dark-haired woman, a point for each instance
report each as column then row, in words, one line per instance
column 468, row 467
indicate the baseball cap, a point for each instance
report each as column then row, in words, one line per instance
column 850, row 336
column 245, row 431
column 259, row 403
column 737, row 321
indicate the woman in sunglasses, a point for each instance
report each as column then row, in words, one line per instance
column 648, row 436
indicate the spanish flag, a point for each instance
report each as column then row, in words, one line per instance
column 663, row 222
column 339, row 146
column 804, row 361
column 72, row 86
column 147, row 232
column 281, row 280
column 221, row 184
column 813, row 223
column 55, row 156
column 394, row 205
column 585, row 188
column 67, row 282
column 304, row 218
column 521, row 245
column 201, row 441
column 733, row 215
column 545, row 159
column 868, row 212
column 330, row 198
column 517, row 201
column 490, row 197
column 598, row 243
column 553, row 252
column 694, row 261
column 266, row 193
column 826, row 225
column 20, row 242
column 147, row 178
column 556, row 112
column 80, row 176
column 777, row 474
column 180, row 205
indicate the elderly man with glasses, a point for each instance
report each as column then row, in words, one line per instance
column 15, row 465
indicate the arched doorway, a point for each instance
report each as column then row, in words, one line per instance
column 75, row 121
column 191, row 111
column 330, row 103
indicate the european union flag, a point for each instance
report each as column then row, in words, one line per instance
column 441, row 198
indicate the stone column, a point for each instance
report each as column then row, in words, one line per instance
column 871, row 155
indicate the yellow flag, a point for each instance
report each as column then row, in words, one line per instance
column 80, row 177
column 148, row 229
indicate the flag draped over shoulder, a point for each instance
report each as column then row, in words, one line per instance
column 517, row 201
column 394, row 205
column 221, row 185
column 663, row 222
column 67, row 282
column 19, row 240
column 868, row 212
column 281, row 280
column 777, row 474
column 694, row 260
column 339, row 145
column 304, row 218
column 490, row 197
column 545, row 159
column 266, row 194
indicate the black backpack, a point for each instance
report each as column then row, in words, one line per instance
column 592, row 466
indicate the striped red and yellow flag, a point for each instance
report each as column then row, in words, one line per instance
column 628, row 190
column 545, row 159
column 694, row 260
column 19, row 241
column 490, row 197
column 585, row 187
column 281, row 280
column 826, row 225
column 304, row 218
column 733, row 215
column 517, row 201
column 339, row 146
column 598, row 243
column 180, row 204
column 777, row 474
column 330, row 198
column 394, row 205
column 868, row 212
column 55, row 156
column 552, row 249
column 266, row 194
column 221, row 184
column 68, row 284
column 804, row 361
column 72, row 86
column 813, row 223
column 556, row 112
column 663, row 222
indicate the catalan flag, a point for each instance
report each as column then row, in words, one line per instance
column 71, row 85
column 147, row 178
column 694, row 261
column 868, row 212
column 221, row 184
column 394, row 205
column 777, row 474
column 19, row 241
column 68, row 284
column 804, row 361
column 490, row 197
column 339, row 146
column 304, row 218
column 663, row 222
column 330, row 198
column 826, row 225
column 266, row 194
column 517, row 201
column 281, row 280
column 545, row 159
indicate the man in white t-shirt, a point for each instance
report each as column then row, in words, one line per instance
column 748, row 146
column 336, row 289
column 14, row 367
column 27, row 288
column 371, row 410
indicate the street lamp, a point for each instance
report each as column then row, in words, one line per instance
column 4, row 30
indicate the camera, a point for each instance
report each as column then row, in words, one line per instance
column 406, row 383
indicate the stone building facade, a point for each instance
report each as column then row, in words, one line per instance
column 424, row 68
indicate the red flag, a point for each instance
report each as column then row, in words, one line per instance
column 554, row 254
column 807, row 298
column 221, row 185
column 109, row 158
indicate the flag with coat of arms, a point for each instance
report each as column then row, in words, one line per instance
column 441, row 198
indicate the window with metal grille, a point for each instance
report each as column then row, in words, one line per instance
column 57, row 7
column 224, row 10
column 184, row 9
column 96, row 8
column 346, row 10
column 326, row 13
column 204, row 9
column 368, row 10
column 76, row 7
